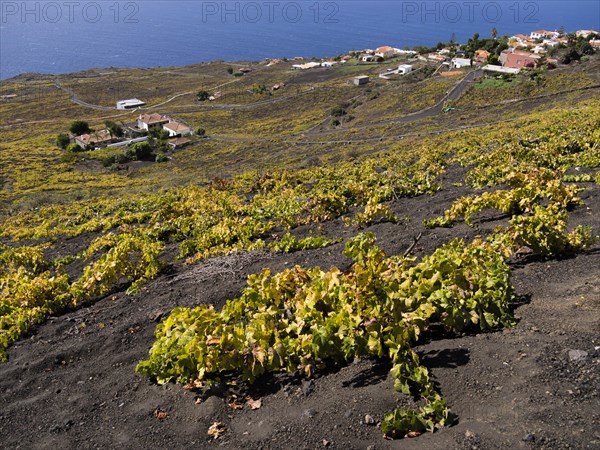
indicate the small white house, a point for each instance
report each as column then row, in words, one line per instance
column 176, row 128
column 459, row 63
column 328, row 63
column 403, row 69
column 366, row 58
column 543, row 34
column 131, row 103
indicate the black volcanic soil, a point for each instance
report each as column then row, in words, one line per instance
column 72, row 384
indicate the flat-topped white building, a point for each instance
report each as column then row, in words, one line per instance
column 130, row 103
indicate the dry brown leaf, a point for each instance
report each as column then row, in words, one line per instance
column 413, row 434
column 196, row 384
column 235, row 404
column 254, row 404
column 160, row 414
column 216, row 430
column 213, row 340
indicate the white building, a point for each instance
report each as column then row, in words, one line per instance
column 360, row 80
column 309, row 65
column 150, row 121
column 176, row 128
column 403, row 69
column 385, row 52
column 459, row 63
column 543, row 34
column 130, row 103
column 500, row 69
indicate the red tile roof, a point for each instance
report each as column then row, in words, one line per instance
column 176, row 127
column 179, row 142
column 153, row 118
column 95, row 138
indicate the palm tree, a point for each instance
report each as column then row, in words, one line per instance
column 494, row 33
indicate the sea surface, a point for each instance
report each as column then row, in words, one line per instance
column 66, row 36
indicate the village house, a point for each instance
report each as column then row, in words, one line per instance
column 150, row 121
column 499, row 69
column 543, row 34
column 595, row 43
column 550, row 42
column 518, row 59
column 97, row 138
column 520, row 40
column 328, row 63
column 459, row 63
column 385, row 52
column 366, row 58
column 176, row 128
column 436, row 57
column 585, row 33
column 481, row 56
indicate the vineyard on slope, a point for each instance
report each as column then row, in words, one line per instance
column 128, row 240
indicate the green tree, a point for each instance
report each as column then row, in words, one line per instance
column 115, row 129
column 338, row 111
column 494, row 33
column 79, row 127
column 200, row 132
column 230, row 70
column 202, row 96
column 62, row 140
column 139, row 151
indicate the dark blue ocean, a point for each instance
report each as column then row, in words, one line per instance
column 66, row 36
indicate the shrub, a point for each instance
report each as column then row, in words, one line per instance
column 161, row 157
column 62, row 140
column 74, row 148
column 202, row 96
column 79, row 127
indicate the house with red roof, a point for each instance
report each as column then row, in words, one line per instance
column 518, row 59
column 481, row 56
column 385, row 52
column 150, row 121
column 177, row 129
column 97, row 138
